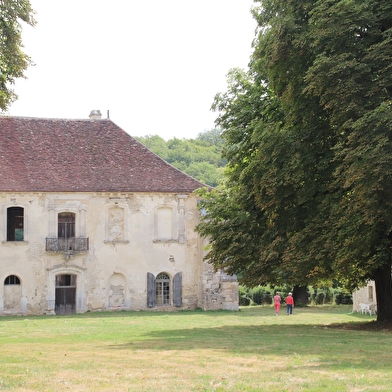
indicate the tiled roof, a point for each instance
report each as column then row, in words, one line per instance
column 57, row 155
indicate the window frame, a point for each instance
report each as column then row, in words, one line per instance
column 11, row 228
column 162, row 289
column 64, row 227
column 370, row 293
column 175, row 290
column 13, row 280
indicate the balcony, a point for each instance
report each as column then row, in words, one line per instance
column 64, row 245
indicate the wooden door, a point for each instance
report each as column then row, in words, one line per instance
column 65, row 294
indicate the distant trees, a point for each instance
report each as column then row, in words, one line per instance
column 201, row 158
column 13, row 61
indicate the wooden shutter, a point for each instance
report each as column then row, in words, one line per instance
column 150, row 290
column 177, row 289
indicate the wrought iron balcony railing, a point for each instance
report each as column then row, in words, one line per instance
column 79, row 244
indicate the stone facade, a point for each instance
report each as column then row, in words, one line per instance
column 365, row 295
column 127, row 240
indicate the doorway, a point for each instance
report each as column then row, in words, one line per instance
column 65, row 302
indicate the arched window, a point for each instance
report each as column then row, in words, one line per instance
column 158, row 289
column 162, row 289
column 15, row 224
column 12, row 280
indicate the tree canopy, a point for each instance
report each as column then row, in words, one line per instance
column 13, row 61
column 201, row 157
column 308, row 140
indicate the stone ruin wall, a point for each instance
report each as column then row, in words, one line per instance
column 219, row 290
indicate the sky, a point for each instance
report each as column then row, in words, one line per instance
column 154, row 65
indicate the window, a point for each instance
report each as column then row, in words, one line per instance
column 65, row 280
column 15, row 224
column 66, row 225
column 66, row 230
column 370, row 293
column 159, row 289
column 162, row 289
column 12, row 280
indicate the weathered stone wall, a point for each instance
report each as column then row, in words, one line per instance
column 365, row 295
column 125, row 244
column 219, row 290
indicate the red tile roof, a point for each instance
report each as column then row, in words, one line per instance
column 57, row 155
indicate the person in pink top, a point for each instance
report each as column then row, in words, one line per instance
column 289, row 304
column 277, row 301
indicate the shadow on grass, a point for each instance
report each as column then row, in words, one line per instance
column 334, row 348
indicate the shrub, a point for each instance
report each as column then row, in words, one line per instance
column 260, row 295
column 243, row 295
column 244, row 301
column 263, row 295
column 342, row 298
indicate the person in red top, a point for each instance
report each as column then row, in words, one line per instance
column 289, row 304
column 277, row 301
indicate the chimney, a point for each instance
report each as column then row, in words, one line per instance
column 95, row 115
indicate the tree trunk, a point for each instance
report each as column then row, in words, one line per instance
column 300, row 294
column 382, row 278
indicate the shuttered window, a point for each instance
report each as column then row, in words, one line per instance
column 159, row 289
column 162, row 289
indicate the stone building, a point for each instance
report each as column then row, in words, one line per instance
column 365, row 295
column 91, row 220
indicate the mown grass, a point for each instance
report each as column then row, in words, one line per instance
column 317, row 349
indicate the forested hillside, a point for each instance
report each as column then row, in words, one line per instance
column 201, row 158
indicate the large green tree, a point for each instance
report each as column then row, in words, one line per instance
column 352, row 79
column 13, row 61
column 308, row 140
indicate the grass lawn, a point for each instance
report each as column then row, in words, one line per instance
column 317, row 349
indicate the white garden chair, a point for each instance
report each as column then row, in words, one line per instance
column 365, row 308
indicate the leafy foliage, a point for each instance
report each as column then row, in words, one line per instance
column 262, row 295
column 13, row 61
column 201, row 158
column 308, row 139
